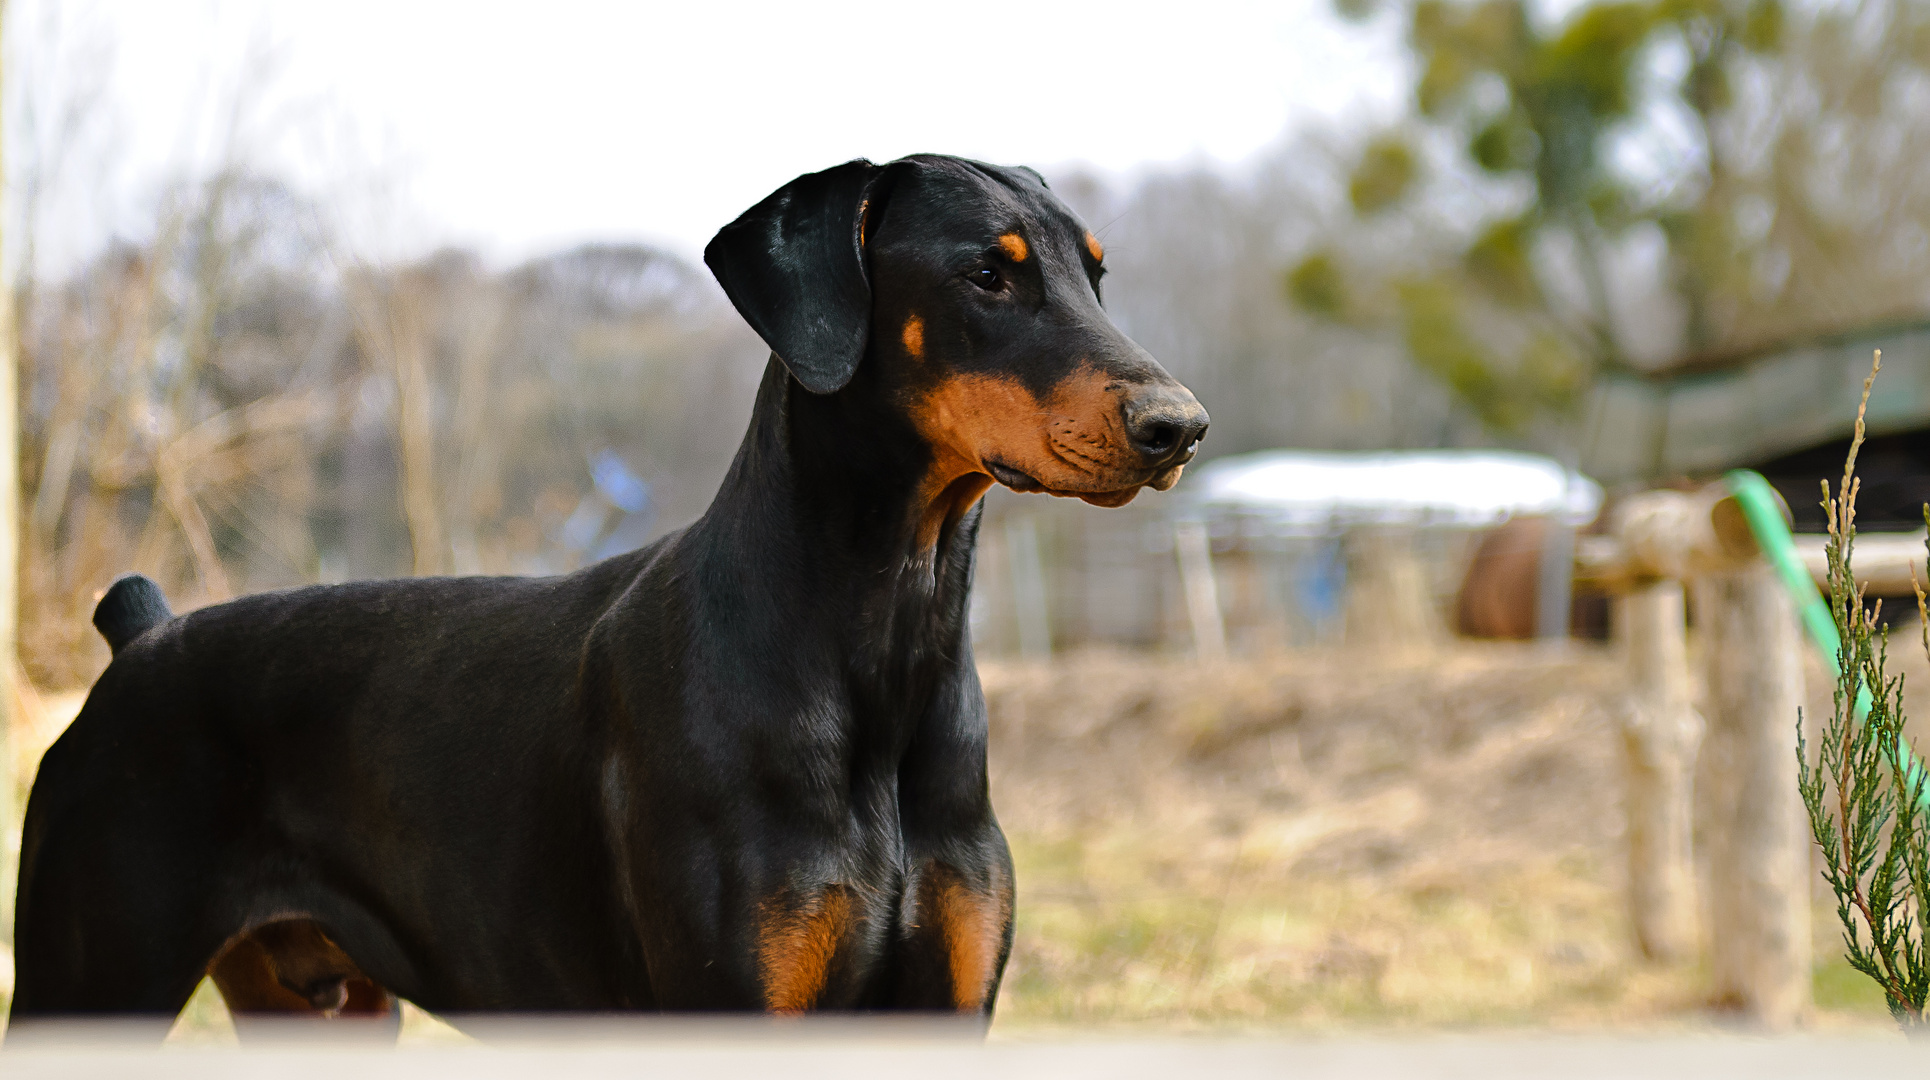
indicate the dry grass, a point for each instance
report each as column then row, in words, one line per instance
column 1325, row 840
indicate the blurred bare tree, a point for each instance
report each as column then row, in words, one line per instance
column 228, row 399
column 231, row 405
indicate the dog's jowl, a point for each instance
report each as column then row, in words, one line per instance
column 740, row 769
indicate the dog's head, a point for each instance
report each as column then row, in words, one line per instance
column 972, row 293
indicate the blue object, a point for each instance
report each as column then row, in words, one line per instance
column 626, row 490
column 1321, row 581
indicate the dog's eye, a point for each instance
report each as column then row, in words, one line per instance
column 987, row 278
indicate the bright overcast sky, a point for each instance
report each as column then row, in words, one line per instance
column 521, row 128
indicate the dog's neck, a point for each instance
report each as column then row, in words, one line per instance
column 836, row 527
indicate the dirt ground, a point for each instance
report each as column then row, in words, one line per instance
column 1311, row 841
column 1332, row 839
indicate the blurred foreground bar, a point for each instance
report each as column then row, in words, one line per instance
column 844, row 1050
column 1883, row 561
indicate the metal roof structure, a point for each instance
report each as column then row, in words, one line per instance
column 1313, row 491
column 1703, row 417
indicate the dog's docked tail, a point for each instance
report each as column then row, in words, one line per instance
column 132, row 606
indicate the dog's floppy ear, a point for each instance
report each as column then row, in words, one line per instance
column 793, row 265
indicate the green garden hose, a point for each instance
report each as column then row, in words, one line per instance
column 1763, row 509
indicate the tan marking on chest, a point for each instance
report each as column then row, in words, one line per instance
column 1014, row 246
column 914, row 337
column 796, row 940
column 946, row 508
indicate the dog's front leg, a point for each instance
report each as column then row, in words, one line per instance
column 956, row 935
column 802, row 939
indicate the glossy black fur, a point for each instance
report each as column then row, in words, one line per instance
column 583, row 792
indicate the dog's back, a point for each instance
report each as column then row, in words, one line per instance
column 296, row 714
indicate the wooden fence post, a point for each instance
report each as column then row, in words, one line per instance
column 1659, row 540
column 1387, row 605
column 1759, row 858
column 12, row 675
column 1194, row 548
column 1028, row 587
column 1661, row 733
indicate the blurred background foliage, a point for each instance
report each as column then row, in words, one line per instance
column 233, row 397
column 1634, row 184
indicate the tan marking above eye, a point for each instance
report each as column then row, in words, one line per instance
column 1014, row 246
column 1093, row 245
column 914, row 337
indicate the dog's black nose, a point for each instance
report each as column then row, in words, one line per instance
column 1164, row 425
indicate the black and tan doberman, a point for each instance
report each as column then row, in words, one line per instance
column 740, row 769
